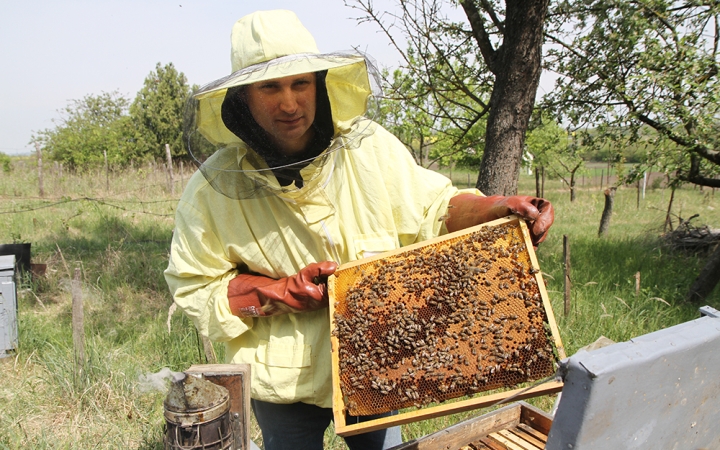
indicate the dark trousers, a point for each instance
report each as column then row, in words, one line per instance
column 299, row 426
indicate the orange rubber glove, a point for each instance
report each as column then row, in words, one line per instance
column 467, row 210
column 257, row 296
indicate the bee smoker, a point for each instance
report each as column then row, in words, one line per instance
column 197, row 415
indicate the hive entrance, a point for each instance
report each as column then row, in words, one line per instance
column 450, row 318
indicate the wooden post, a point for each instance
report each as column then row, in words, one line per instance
column 78, row 328
column 637, row 205
column 568, row 284
column 668, row 219
column 645, row 177
column 107, row 172
column 182, row 177
column 607, row 211
column 637, row 283
column 608, row 173
column 170, row 169
column 40, row 171
column 208, row 349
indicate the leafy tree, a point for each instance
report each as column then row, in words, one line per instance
column 484, row 69
column 157, row 112
column 409, row 122
column 88, row 129
column 555, row 151
column 643, row 70
column 429, row 136
column 632, row 66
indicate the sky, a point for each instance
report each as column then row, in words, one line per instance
column 58, row 51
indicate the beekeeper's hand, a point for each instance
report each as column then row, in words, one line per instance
column 466, row 210
column 256, row 295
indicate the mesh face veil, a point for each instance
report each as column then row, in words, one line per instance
column 237, row 156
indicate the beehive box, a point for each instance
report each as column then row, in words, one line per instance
column 517, row 426
column 454, row 316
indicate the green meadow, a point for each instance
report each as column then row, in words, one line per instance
column 115, row 229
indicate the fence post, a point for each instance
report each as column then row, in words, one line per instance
column 170, row 169
column 210, row 356
column 668, row 218
column 645, row 177
column 568, row 283
column 107, row 172
column 40, row 171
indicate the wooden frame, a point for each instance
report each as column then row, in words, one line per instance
column 478, row 401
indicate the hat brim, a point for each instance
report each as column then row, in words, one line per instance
column 278, row 68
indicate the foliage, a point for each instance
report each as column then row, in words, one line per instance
column 557, row 151
column 546, row 141
column 88, row 129
column 107, row 124
column 5, row 162
column 157, row 112
column 475, row 78
column 409, row 122
column 426, row 128
column 643, row 72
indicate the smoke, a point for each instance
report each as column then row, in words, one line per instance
column 159, row 381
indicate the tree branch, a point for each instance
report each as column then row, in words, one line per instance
column 482, row 38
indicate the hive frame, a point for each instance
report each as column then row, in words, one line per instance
column 475, row 402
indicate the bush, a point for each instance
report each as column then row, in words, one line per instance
column 5, row 162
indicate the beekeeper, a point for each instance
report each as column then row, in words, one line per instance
column 294, row 180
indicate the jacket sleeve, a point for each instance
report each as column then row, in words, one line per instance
column 198, row 275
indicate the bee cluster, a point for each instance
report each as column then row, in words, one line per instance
column 441, row 321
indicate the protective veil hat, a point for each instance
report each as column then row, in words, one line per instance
column 274, row 44
column 268, row 45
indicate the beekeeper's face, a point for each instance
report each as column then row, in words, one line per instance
column 285, row 108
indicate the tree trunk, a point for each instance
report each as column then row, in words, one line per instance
column 572, row 187
column 517, row 67
column 707, row 280
column 607, row 211
column 537, row 182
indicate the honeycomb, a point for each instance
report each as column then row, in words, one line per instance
column 439, row 321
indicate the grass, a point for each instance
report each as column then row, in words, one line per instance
column 117, row 230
